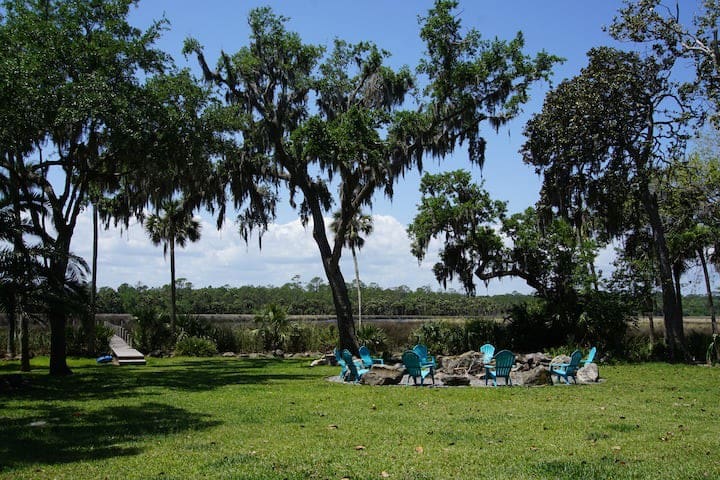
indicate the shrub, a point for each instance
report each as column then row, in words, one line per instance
column 697, row 344
column 151, row 330
column 248, row 340
column 373, row 337
column 429, row 334
column 530, row 328
column 603, row 322
column 274, row 326
column 225, row 338
column 75, row 340
column 481, row 331
column 442, row 337
column 195, row 347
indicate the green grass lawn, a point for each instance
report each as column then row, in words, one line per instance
column 255, row 419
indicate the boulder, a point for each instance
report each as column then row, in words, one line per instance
column 228, row 354
column 588, row 374
column 535, row 376
column 533, row 359
column 383, row 375
column 452, row 380
column 561, row 359
column 468, row 362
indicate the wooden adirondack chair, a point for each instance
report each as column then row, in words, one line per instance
column 355, row 372
column 425, row 359
column 488, row 351
column 504, row 361
column 367, row 360
column 567, row 370
column 416, row 369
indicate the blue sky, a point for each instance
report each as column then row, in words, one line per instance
column 565, row 28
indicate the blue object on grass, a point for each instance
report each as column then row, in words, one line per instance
column 104, row 359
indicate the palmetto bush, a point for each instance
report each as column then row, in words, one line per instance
column 195, row 347
column 373, row 337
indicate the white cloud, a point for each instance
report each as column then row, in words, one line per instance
column 288, row 249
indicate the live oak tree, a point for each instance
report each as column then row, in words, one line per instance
column 337, row 128
column 480, row 241
column 600, row 142
column 80, row 113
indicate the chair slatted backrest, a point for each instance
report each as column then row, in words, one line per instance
column 365, row 356
column 341, row 362
column 339, row 358
column 591, row 356
column 421, row 351
column 352, row 368
column 425, row 358
column 504, row 361
column 488, row 351
column 412, row 362
column 574, row 364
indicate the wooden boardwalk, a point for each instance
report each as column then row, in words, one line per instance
column 123, row 354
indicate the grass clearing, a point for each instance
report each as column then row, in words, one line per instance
column 275, row 419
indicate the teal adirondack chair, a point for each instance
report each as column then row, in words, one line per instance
column 488, row 351
column 416, row 369
column 355, row 372
column 590, row 357
column 426, row 360
column 341, row 362
column 367, row 360
column 567, row 370
column 504, row 361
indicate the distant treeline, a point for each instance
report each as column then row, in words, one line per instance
column 314, row 298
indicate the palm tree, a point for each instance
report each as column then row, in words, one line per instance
column 175, row 227
column 359, row 224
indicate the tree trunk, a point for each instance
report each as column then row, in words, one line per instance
column 343, row 308
column 672, row 315
column 58, row 343
column 90, row 330
column 56, row 312
column 677, row 273
column 12, row 322
column 172, row 285
column 708, row 289
column 24, row 342
column 357, row 283
column 651, row 325
column 341, row 297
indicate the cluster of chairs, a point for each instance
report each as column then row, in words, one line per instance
column 352, row 370
column 420, row 364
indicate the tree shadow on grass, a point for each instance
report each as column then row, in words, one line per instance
column 91, row 382
column 602, row 467
column 55, row 435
